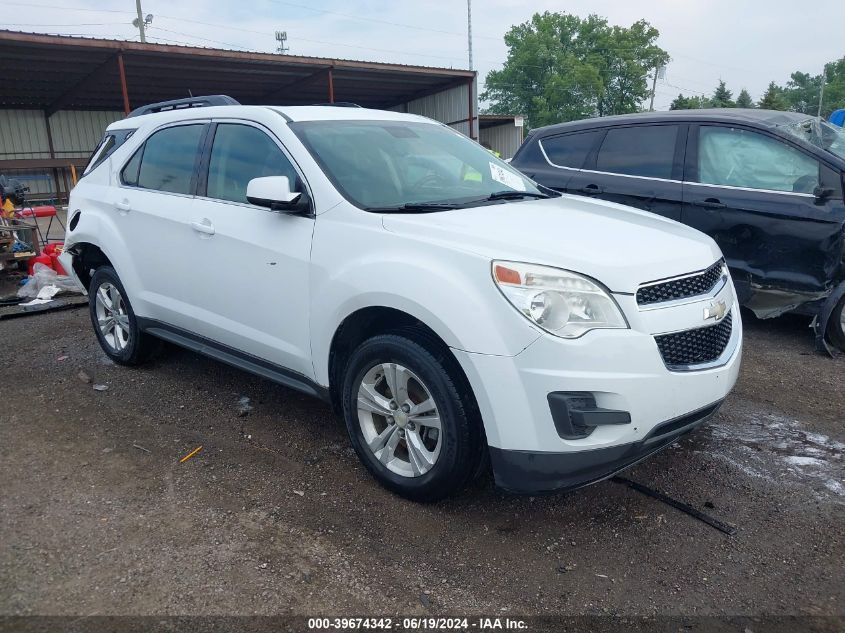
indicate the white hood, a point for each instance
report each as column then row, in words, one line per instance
column 619, row 246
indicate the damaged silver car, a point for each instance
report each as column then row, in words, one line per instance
column 766, row 185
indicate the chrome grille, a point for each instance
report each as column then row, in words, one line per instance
column 695, row 347
column 691, row 286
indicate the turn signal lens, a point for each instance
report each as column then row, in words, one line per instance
column 505, row 275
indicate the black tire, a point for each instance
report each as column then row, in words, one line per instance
column 461, row 433
column 836, row 325
column 139, row 346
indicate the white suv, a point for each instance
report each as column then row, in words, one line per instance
column 447, row 306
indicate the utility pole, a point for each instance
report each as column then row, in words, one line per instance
column 659, row 73
column 141, row 25
column 821, row 91
column 653, row 90
column 469, row 31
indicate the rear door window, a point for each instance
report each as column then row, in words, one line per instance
column 169, row 159
column 570, row 150
column 642, row 150
column 736, row 157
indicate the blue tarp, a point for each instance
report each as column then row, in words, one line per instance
column 838, row 118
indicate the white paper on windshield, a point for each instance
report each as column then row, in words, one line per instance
column 507, row 178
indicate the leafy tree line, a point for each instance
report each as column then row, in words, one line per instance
column 561, row 67
column 800, row 94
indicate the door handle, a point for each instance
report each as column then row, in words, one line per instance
column 203, row 226
column 710, row 203
column 590, row 190
column 123, row 205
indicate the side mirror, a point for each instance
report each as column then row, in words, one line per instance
column 822, row 193
column 274, row 193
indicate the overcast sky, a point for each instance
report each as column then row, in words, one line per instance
column 748, row 44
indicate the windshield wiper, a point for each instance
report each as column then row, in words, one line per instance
column 515, row 195
column 417, row 206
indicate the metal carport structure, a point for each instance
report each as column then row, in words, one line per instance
column 59, row 92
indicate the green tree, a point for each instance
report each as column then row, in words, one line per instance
column 681, row 103
column 722, row 97
column 744, row 99
column 773, row 98
column 834, row 88
column 801, row 92
column 561, row 67
column 689, row 103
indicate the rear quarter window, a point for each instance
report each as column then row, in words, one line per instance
column 106, row 147
column 570, row 150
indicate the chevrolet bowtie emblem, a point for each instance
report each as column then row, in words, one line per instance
column 716, row 310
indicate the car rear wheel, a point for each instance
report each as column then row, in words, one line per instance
column 836, row 325
column 407, row 419
column 114, row 320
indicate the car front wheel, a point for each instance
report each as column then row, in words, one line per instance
column 406, row 412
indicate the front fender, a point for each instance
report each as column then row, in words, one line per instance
column 451, row 292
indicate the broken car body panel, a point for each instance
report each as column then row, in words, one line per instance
column 779, row 222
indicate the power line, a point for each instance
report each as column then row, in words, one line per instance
column 196, row 37
column 452, row 58
column 302, row 39
column 57, row 25
column 350, row 16
column 52, row 6
column 382, row 50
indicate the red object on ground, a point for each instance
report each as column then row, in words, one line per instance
column 53, row 251
column 43, row 258
column 44, row 211
column 57, row 265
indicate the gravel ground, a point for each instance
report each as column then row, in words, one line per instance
column 276, row 516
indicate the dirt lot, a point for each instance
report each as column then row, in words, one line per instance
column 275, row 515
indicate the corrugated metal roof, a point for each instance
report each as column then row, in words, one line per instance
column 91, row 38
column 62, row 72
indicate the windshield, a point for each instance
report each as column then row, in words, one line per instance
column 821, row 134
column 391, row 165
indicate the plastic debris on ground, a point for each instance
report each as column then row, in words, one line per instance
column 43, row 276
column 45, row 295
column 244, row 406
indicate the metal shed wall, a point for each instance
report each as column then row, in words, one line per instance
column 77, row 132
column 505, row 139
column 23, row 134
column 451, row 106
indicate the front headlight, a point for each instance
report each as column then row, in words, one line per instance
column 563, row 303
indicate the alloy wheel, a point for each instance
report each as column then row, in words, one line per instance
column 399, row 419
column 112, row 316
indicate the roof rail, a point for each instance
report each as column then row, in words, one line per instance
column 339, row 104
column 179, row 104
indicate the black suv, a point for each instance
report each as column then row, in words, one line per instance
column 766, row 185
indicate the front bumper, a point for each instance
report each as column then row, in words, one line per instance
column 645, row 405
column 526, row 472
